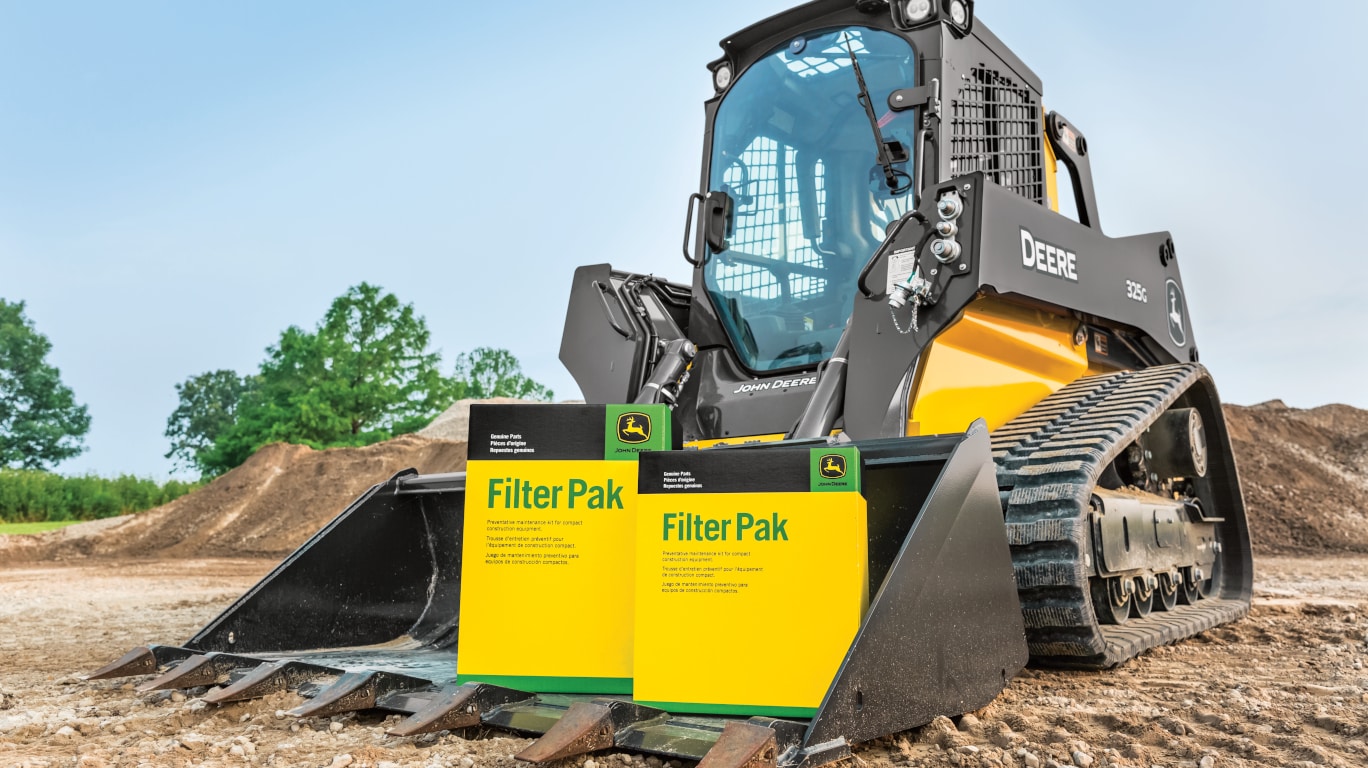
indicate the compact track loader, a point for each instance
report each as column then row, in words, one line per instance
column 991, row 414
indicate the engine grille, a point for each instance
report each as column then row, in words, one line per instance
column 995, row 128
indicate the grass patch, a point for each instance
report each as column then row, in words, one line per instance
column 20, row 528
column 35, row 496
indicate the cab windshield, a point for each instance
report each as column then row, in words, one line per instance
column 793, row 147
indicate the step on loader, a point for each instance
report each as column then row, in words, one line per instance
column 882, row 283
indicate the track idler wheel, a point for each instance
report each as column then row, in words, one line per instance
column 1112, row 599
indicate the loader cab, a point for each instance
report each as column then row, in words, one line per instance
column 793, row 151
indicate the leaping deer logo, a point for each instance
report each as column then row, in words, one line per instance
column 832, row 466
column 634, row 428
column 1176, row 314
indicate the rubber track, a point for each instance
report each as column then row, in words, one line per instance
column 1049, row 460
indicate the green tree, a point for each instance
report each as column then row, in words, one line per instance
column 40, row 421
column 207, row 409
column 488, row 372
column 364, row 375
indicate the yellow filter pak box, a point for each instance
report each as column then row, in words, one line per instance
column 737, row 551
column 549, row 541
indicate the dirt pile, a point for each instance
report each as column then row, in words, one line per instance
column 1305, row 476
column 454, row 422
column 1304, row 472
column 266, row 507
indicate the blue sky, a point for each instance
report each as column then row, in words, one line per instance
column 181, row 181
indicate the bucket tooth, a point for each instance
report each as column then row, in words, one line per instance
column 356, row 691
column 267, row 679
column 200, row 669
column 588, row 726
column 461, row 708
column 743, row 745
column 143, row 660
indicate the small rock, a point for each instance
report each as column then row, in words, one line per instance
column 1030, row 760
column 245, row 717
column 1001, row 735
column 294, row 727
column 968, row 723
column 387, row 764
column 336, row 727
column 280, row 714
column 65, row 733
column 1082, row 759
column 177, row 696
column 969, row 749
column 942, row 724
column 237, row 751
column 341, row 761
column 467, row 762
column 1207, row 762
column 590, row 764
column 120, row 728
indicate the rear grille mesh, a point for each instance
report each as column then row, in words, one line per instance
column 995, row 128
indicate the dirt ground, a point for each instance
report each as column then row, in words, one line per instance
column 1284, row 687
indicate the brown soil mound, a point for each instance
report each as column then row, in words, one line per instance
column 266, row 507
column 1304, row 474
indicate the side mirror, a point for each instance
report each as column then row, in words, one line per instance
column 718, row 217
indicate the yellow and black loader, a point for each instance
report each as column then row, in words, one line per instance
column 907, row 428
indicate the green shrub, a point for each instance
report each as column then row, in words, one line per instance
column 30, row 495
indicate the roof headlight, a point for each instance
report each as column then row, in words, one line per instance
column 722, row 76
column 959, row 13
column 916, row 11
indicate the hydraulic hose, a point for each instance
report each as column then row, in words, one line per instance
column 673, row 363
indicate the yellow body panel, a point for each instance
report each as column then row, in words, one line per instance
column 735, row 440
column 994, row 363
column 1051, row 171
